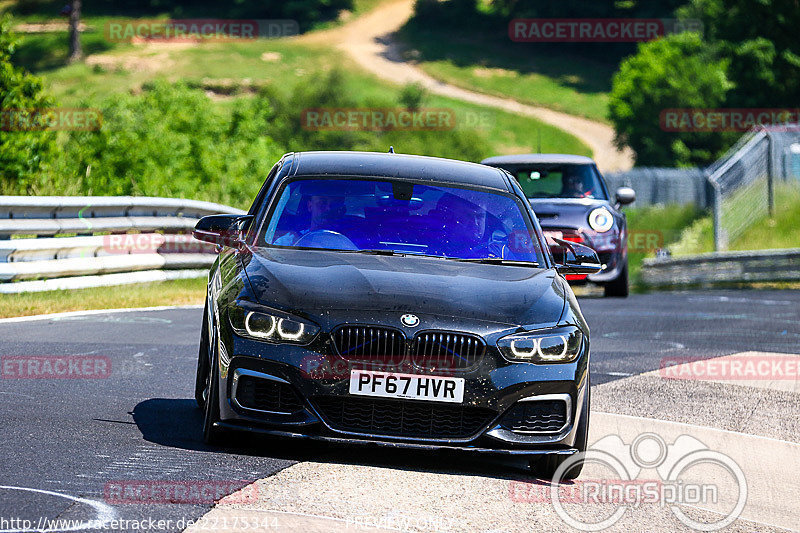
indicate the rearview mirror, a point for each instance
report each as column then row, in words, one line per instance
column 578, row 259
column 625, row 196
column 224, row 230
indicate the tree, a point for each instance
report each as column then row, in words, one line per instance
column 24, row 149
column 761, row 40
column 75, row 49
column 680, row 71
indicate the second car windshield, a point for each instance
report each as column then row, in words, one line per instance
column 401, row 218
column 560, row 181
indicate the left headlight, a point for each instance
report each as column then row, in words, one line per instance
column 559, row 345
column 601, row 220
column 262, row 325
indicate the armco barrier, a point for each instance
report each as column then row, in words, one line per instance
column 52, row 242
column 723, row 267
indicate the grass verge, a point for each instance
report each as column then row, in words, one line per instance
column 663, row 225
column 177, row 292
column 776, row 232
column 527, row 73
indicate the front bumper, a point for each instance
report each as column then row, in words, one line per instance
column 376, row 442
column 494, row 388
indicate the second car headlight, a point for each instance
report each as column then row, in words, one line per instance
column 269, row 327
column 559, row 345
column 601, row 220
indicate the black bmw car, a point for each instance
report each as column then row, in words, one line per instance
column 572, row 202
column 395, row 300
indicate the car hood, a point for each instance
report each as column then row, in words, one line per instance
column 331, row 286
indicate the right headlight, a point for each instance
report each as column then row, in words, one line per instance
column 262, row 325
column 558, row 345
column 601, row 220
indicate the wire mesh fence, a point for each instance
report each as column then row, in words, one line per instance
column 663, row 186
column 743, row 181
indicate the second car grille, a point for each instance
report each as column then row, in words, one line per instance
column 267, row 395
column 402, row 418
column 440, row 351
column 542, row 416
column 370, row 344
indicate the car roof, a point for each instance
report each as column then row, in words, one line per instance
column 404, row 166
column 523, row 159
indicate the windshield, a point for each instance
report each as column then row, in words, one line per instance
column 397, row 217
column 560, row 181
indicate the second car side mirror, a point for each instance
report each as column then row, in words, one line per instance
column 578, row 259
column 625, row 196
column 224, row 230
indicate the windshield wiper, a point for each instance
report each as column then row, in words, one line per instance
column 381, row 251
column 495, row 261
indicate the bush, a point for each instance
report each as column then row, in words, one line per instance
column 22, row 153
column 332, row 91
column 679, row 71
column 170, row 141
column 761, row 40
column 413, row 96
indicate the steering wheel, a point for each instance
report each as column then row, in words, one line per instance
column 325, row 238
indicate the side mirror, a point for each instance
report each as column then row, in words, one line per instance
column 625, row 196
column 224, row 230
column 578, row 259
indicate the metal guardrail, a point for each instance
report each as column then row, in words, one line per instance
column 723, row 267
column 128, row 249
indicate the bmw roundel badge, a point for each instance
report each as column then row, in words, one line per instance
column 410, row 321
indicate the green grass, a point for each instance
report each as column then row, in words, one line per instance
column 284, row 64
column 662, row 225
column 360, row 7
column 288, row 64
column 779, row 231
column 178, row 292
column 525, row 72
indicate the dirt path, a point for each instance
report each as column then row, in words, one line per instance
column 368, row 40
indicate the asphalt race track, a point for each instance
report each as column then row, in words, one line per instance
column 66, row 441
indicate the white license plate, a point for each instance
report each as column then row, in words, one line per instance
column 393, row 385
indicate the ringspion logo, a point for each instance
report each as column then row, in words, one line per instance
column 681, row 479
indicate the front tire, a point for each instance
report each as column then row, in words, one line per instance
column 545, row 466
column 619, row 287
column 201, row 381
column 212, row 435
